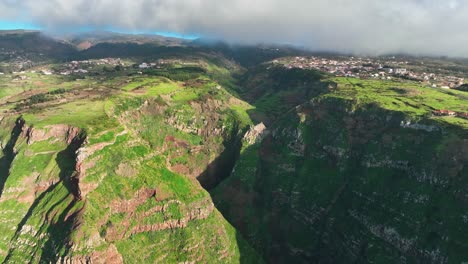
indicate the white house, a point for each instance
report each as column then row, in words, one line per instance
column 401, row 71
column 143, row 66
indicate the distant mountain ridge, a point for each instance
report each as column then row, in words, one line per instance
column 27, row 44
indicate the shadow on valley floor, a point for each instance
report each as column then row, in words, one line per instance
column 222, row 166
column 9, row 153
column 229, row 189
column 218, row 171
column 303, row 85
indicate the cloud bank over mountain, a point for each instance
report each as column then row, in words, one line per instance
column 437, row 27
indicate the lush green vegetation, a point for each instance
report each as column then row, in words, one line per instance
column 111, row 163
column 358, row 173
column 140, row 130
column 403, row 96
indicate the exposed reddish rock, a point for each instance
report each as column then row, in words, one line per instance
column 198, row 210
column 177, row 143
column 110, row 256
column 256, row 134
column 126, row 206
column 57, row 132
column 462, row 115
column 450, row 113
column 180, row 169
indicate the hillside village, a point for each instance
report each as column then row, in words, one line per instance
column 372, row 69
column 362, row 68
column 342, row 66
column 84, row 67
column 367, row 68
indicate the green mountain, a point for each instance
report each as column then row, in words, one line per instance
column 361, row 173
column 205, row 157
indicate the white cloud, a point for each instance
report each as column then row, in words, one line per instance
column 360, row 26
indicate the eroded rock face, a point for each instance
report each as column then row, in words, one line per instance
column 109, row 256
column 57, row 132
column 189, row 212
column 76, row 160
column 68, row 134
column 256, row 134
column 205, row 119
column 416, row 126
column 210, row 160
column 83, row 163
column 56, row 179
column 128, row 206
column 328, row 183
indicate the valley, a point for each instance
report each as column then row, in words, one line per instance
column 133, row 149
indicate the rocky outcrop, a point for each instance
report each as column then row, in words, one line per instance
column 204, row 121
column 109, row 256
column 82, row 162
column 197, row 211
column 416, row 126
column 128, row 206
column 189, row 212
column 56, row 132
column 256, row 134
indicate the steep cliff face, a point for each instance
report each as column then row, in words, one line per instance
column 75, row 197
column 139, row 181
column 40, row 196
column 120, row 179
column 345, row 179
